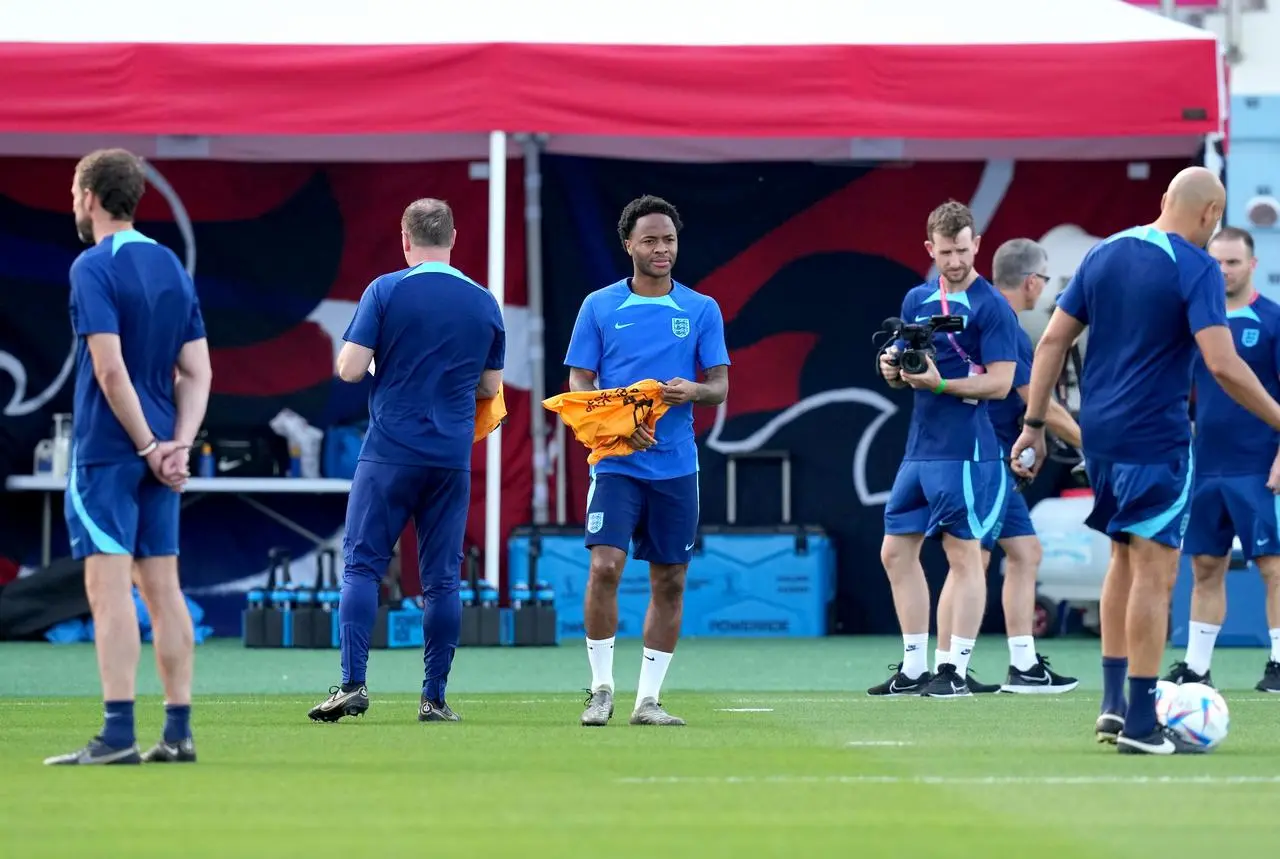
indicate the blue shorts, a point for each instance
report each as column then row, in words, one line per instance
column 1146, row 500
column 661, row 516
column 1014, row 522
column 958, row 497
column 1231, row 505
column 119, row 508
column 384, row 496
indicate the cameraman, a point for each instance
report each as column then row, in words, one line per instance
column 952, row 481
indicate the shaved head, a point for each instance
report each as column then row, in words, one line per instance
column 1193, row 204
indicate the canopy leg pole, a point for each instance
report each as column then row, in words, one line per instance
column 497, row 285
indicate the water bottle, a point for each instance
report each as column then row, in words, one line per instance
column 519, row 595
column 295, row 460
column 257, row 598
column 204, row 467
column 467, row 594
column 544, row 593
column 44, row 457
column 488, row 595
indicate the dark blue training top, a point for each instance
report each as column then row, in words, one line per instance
column 1229, row 439
column 1006, row 415
column 1144, row 294
column 433, row 332
column 944, row 427
column 130, row 286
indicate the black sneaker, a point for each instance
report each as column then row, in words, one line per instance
column 96, row 752
column 181, row 752
column 900, row 684
column 1161, row 741
column 339, row 704
column 1270, row 681
column 947, row 683
column 1179, row 673
column 1108, row 727
column 436, row 711
column 977, row 687
column 1038, row 680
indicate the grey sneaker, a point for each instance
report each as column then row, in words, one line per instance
column 599, row 709
column 339, row 704
column 436, row 711
column 181, row 752
column 96, row 752
column 650, row 712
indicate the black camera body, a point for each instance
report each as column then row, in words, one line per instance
column 918, row 337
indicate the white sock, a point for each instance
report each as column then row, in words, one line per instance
column 961, row 648
column 600, row 653
column 940, row 657
column 1022, row 652
column 1275, row 645
column 915, row 654
column 653, row 670
column 1200, row 640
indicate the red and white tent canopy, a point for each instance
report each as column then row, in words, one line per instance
column 679, row 79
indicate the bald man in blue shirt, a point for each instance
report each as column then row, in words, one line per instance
column 1150, row 295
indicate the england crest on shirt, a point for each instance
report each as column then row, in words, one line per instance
column 1249, row 337
column 680, row 327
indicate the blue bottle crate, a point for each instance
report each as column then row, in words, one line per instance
column 742, row 582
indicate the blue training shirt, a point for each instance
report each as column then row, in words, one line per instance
column 131, row 286
column 433, row 332
column 944, row 427
column 1144, row 294
column 1006, row 415
column 626, row 338
column 1229, row 439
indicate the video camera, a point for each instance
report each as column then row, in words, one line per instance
column 918, row 337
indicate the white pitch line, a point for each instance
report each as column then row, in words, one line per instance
column 956, row 780
column 744, row 709
column 879, row 743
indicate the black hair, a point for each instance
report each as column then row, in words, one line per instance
column 646, row 205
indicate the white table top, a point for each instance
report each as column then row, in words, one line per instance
column 242, row 485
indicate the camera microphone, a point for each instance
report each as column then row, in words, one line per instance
column 891, row 325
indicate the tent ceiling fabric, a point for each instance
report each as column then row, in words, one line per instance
column 714, row 80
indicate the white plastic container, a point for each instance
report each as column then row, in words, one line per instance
column 1075, row 558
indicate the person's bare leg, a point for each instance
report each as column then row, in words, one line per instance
column 109, row 587
column 1112, row 608
column 946, row 602
column 173, row 638
column 1018, row 597
column 661, row 632
column 600, row 612
column 1153, row 567
column 900, row 554
column 964, row 558
column 1208, row 610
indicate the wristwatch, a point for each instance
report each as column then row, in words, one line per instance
column 1034, row 423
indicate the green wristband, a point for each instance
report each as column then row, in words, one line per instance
column 942, row 386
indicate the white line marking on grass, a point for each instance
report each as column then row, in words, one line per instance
column 879, row 743
column 955, row 780
column 744, row 709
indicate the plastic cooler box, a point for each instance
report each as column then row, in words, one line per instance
column 743, row 582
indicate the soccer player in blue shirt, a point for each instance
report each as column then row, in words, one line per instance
column 1237, row 471
column 1151, row 295
column 647, row 326
column 1018, row 272
column 440, row 345
column 142, row 386
column 952, row 482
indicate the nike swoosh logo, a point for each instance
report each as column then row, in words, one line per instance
column 688, row 547
column 621, row 325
